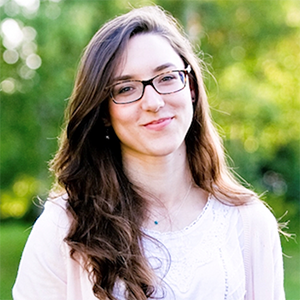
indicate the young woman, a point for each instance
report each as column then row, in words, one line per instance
column 149, row 209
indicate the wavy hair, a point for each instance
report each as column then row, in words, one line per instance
column 107, row 209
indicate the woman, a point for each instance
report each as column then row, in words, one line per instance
column 150, row 209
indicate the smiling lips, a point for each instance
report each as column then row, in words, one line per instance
column 158, row 124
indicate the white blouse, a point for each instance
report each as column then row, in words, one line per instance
column 203, row 261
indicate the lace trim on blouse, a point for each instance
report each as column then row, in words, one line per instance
column 153, row 232
column 202, row 261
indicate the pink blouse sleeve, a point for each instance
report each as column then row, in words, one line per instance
column 42, row 270
column 263, row 253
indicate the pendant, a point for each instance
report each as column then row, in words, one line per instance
column 156, row 222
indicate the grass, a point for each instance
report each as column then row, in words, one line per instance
column 292, row 277
column 14, row 235
column 291, row 260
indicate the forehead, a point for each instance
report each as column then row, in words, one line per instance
column 144, row 55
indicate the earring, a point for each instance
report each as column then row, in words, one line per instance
column 107, row 133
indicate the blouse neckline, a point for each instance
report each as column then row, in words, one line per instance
column 187, row 228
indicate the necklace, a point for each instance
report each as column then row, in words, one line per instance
column 174, row 213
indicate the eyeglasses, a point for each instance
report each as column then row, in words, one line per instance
column 129, row 91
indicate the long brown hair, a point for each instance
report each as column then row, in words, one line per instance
column 107, row 209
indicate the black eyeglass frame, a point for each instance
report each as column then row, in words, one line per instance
column 150, row 82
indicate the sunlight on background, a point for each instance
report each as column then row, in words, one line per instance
column 19, row 42
column 15, row 203
column 12, row 34
column 28, row 8
column 21, row 47
column 259, row 90
column 252, row 48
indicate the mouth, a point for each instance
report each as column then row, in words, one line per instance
column 159, row 124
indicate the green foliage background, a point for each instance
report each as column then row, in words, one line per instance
column 252, row 53
column 251, row 48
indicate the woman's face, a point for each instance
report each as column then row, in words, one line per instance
column 156, row 125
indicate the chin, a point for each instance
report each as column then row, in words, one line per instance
column 168, row 149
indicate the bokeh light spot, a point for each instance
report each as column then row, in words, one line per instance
column 29, row 33
column 251, row 144
column 2, row 2
column 53, row 11
column 26, row 72
column 33, row 61
column 29, row 4
column 10, row 56
column 293, row 18
column 238, row 53
column 12, row 34
column 11, row 8
column 28, row 48
column 8, row 85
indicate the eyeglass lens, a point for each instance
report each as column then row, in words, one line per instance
column 132, row 90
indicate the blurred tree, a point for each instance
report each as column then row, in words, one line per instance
column 251, row 47
column 256, row 59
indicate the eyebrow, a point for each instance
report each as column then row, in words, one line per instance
column 157, row 69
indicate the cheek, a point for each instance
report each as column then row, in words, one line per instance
column 186, row 102
column 120, row 117
column 188, row 108
column 115, row 114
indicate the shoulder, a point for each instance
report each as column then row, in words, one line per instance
column 256, row 212
column 256, row 217
column 259, row 223
column 55, row 216
column 262, row 252
column 51, row 228
column 42, row 270
column 56, row 207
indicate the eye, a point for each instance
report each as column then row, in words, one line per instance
column 168, row 78
column 124, row 88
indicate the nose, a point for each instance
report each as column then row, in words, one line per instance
column 151, row 101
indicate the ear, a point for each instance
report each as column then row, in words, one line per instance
column 106, row 117
column 193, row 94
column 192, row 89
column 106, row 121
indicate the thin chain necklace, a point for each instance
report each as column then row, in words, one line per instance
column 174, row 213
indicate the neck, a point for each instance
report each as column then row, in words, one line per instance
column 173, row 200
column 165, row 178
